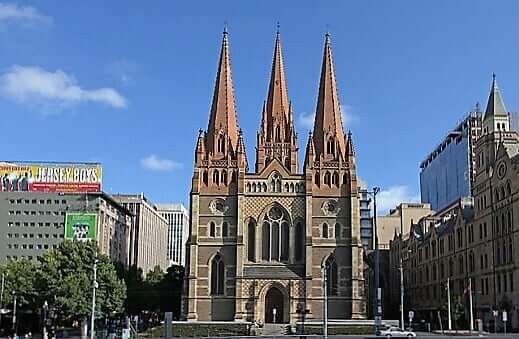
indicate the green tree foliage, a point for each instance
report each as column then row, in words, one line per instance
column 20, row 279
column 159, row 292
column 66, row 276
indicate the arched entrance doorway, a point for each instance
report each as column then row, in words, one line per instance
column 274, row 312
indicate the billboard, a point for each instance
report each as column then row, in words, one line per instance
column 80, row 226
column 50, row 177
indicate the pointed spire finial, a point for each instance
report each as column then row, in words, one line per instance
column 225, row 27
column 493, row 77
column 277, row 28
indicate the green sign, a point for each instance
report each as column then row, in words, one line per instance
column 80, row 226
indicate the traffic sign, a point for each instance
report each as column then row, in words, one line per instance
column 411, row 315
column 505, row 316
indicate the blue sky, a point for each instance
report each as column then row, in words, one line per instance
column 129, row 84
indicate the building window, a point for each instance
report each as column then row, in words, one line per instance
column 330, row 146
column 217, row 276
column 204, row 178
column 317, row 179
column 325, row 231
column 299, row 241
column 331, row 277
column 251, row 233
column 216, row 177
column 221, row 144
column 224, row 177
column 212, row 229
column 275, row 235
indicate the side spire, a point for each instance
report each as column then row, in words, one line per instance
column 328, row 119
column 223, row 124
column 495, row 105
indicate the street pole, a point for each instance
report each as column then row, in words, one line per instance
column 402, row 293
column 2, row 297
column 94, row 287
column 45, row 306
column 377, row 304
column 449, row 303
column 14, row 313
column 325, row 303
column 470, row 302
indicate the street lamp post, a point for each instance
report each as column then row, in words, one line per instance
column 377, row 304
column 45, row 307
column 14, row 312
column 2, row 297
column 94, row 287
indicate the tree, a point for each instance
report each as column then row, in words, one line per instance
column 20, row 277
column 66, row 277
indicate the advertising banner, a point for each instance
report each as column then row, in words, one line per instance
column 80, row 226
column 50, row 177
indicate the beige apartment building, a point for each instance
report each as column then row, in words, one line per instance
column 262, row 241
column 149, row 232
column 399, row 220
column 474, row 239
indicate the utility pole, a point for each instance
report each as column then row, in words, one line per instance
column 377, row 305
column 325, row 303
column 94, row 287
column 471, row 307
column 14, row 313
column 2, row 297
column 449, row 303
column 402, row 293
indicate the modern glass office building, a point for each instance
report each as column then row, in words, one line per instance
column 448, row 172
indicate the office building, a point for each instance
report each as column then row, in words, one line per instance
column 149, row 232
column 34, row 222
column 447, row 173
column 177, row 218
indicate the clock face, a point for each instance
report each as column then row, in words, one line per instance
column 501, row 170
column 330, row 207
column 218, row 206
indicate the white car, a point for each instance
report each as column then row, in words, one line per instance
column 397, row 332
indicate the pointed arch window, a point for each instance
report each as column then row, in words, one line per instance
column 251, row 240
column 225, row 229
column 317, row 179
column 212, row 229
column 299, row 243
column 335, row 179
column 278, row 134
column 265, row 236
column 220, row 147
column 332, row 286
column 216, row 177
column 325, row 231
column 275, row 235
column 327, row 178
column 217, row 275
column 205, row 178
column 330, row 146
column 224, row 177
column 233, row 176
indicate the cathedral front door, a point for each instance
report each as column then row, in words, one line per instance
column 274, row 306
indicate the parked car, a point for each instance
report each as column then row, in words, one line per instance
column 395, row 332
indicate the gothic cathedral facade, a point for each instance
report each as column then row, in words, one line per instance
column 263, row 244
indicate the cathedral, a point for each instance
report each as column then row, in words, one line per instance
column 268, row 244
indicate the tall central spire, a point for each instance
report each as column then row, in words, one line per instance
column 277, row 137
column 278, row 106
column 328, row 120
column 223, row 119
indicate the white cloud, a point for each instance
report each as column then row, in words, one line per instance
column 154, row 163
column 29, row 84
column 306, row 120
column 392, row 196
column 348, row 116
column 11, row 12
